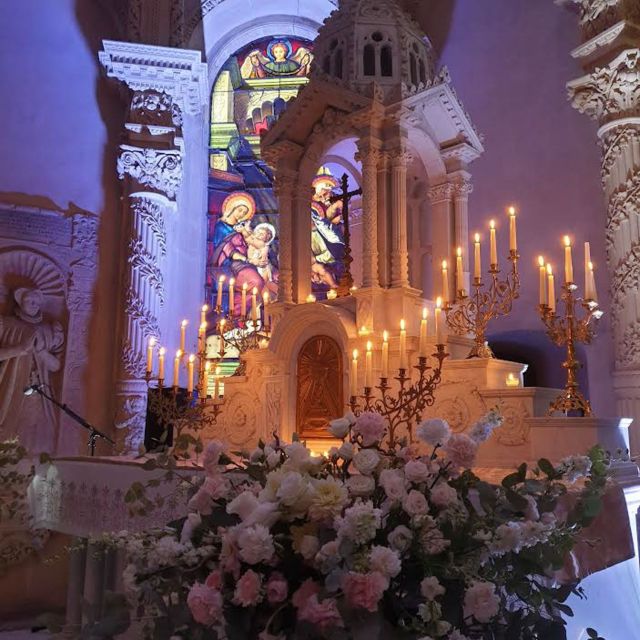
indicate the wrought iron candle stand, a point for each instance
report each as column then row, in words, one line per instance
column 472, row 314
column 405, row 405
column 567, row 331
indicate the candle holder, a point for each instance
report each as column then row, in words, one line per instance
column 472, row 314
column 567, row 331
column 404, row 405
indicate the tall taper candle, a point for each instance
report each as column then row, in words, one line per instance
column 493, row 249
column 216, row 384
column 176, row 368
column 543, row 281
column 354, row 374
column 445, row 281
column 221, row 280
column 568, row 261
column 591, row 293
column 150, row 345
column 203, row 313
column 265, row 307
column 161, row 355
column 439, row 322
column 202, row 336
column 243, row 300
column 368, row 368
column 459, row 271
column 477, row 262
column 232, row 296
column 422, row 350
column 385, row 355
column 513, row 238
column 221, row 336
column 587, row 271
column 551, row 289
column 254, row 306
column 404, row 362
column 190, row 364
column 183, row 334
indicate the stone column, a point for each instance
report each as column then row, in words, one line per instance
column 610, row 95
column 301, row 220
column 284, row 187
column 75, row 589
column 369, row 156
column 384, row 249
column 443, row 237
column 399, row 244
column 462, row 188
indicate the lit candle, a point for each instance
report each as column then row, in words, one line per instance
column 190, row 365
column 332, row 294
column 203, row 313
column 216, row 384
column 568, row 261
column 254, row 305
column 404, row 364
column 202, row 336
column 176, row 368
column 543, row 281
column 368, row 370
column 161, row 355
column 477, row 262
column 150, row 345
column 183, row 334
column 587, row 271
column 422, row 351
column 459, row 272
column 222, row 329
column 439, row 322
column 592, row 294
column 512, row 381
column 265, row 304
column 513, row 239
column 551, row 289
column 232, row 283
column 221, row 280
column 445, row 281
column 385, row 355
column 493, row 243
column 243, row 300
column 311, row 298
column 354, row 374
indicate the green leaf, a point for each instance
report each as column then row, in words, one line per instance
column 516, row 500
column 547, row 468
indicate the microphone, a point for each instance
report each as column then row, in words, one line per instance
column 31, row 389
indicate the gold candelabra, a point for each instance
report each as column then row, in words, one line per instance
column 404, row 405
column 472, row 313
column 567, row 331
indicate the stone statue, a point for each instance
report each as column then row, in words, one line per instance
column 30, row 351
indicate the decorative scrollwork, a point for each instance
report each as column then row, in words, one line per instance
column 159, row 169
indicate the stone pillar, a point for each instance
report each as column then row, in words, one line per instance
column 284, row 188
column 462, row 188
column 384, row 248
column 75, row 589
column 301, row 219
column 610, row 95
column 369, row 155
column 443, row 237
column 399, row 244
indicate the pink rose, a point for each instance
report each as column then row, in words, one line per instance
column 211, row 457
column 247, row 592
column 214, row 581
column 416, row 471
column 461, row 450
column 364, row 590
column 415, row 504
column 201, row 503
column 307, row 589
column 277, row 588
column 371, row 426
column 205, row 604
column 324, row 615
column 216, row 486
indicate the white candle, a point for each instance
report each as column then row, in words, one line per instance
column 176, row 368
column 404, row 363
column 254, row 305
column 232, row 302
column 368, row 369
column 445, row 282
column 161, row 355
column 543, row 281
column 513, row 239
column 265, row 304
column 551, row 289
column 493, row 243
column 385, row 355
column 422, row 351
column 477, row 262
column 354, row 374
column 222, row 329
column 183, row 334
column 568, row 261
column 587, row 271
column 439, row 322
column 216, row 384
column 190, row 365
column 243, row 300
column 202, row 336
column 221, row 280
column 203, row 313
column 459, row 272
column 591, row 294
column 150, row 345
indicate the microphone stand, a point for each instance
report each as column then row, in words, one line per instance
column 94, row 434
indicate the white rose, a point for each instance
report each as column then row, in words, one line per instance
column 366, row 461
column 293, row 489
column 385, row 561
column 361, row 485
column 415, row 504
column 431, row 588
column 266, row 513
column 339, row 428
column 481, row 601
column 256, row 544
column 434, row 431
column 442, row 495
column 416, row 471
column 297, row 454
column 393, row 483
column 243, row 505
column 346, row 451
column 273, row 459
column 400, row 538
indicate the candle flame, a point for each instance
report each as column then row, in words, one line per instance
column 402, row 325
column 255, row 291
column 162, row 352
column 477, row 238
column 192, row 358
column 425, row 313
column 245, row 286
column 369, row 345
column 459, row 252
column 265, row 296
column 222, row 323
column 512, row 211
column 184, row 323
column 492, row 224
column 541, row 261
column 205, row 307
column 567, row 241
column 591, row 266
column 355, row 354
column 439, row 302
column 207, row 366
column 549, row 269
column 221, row 279
column 178, row 354
column 385, row 336
column 152, row 341
column 444, row 265
column 232, row 281
column 203, row 327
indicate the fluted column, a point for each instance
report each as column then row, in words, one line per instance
column 443, row 237
column 610, row 95
column 462, row 189
column 369, row 156
column 399, row 243
column 284, row 188
column 384, row 248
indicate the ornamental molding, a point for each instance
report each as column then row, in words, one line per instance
column 136, row 310
column 160, row 169
column 441, row 193
column 628, row 349
column 601, row 40
column 180, row 73
column 146, row 265
column 616, row 142
column 152, row 214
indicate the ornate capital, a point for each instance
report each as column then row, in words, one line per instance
column 155, row 109
column 441, row 193
column 462, row 187
column 160, row 169
column 400, row 158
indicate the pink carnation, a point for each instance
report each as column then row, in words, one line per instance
column 364, row 590
column 205, row 604
column 277, row 588
column 461, row 450
column 307, row 589
column 216, row 486
column 371, row 426
column 247, row 591
column 214, row 581
column 324, row 615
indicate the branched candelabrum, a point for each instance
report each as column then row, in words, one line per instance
column 472, row 314
column 403, row 405
column 567, row 330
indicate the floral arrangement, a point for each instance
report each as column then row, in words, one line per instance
column 367, row 541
